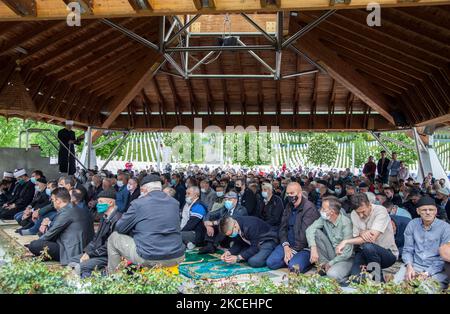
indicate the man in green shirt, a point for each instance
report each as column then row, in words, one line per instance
column 325, row 234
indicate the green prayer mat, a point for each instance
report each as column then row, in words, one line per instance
column 208, row 266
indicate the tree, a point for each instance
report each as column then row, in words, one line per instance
column 9, row 131
column 321, row 150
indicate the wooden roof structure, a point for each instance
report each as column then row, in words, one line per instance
column 97, row 76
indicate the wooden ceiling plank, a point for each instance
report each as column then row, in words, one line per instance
column 24, row 8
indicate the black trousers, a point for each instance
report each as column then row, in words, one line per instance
column 8, row 214
column 94, row 263
column 447, row 270
column 37, row 247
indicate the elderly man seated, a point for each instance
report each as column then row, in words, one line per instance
column 95, row 254
column 325, row 234
column 423, row 238
column 149, row 231
column 192, row 228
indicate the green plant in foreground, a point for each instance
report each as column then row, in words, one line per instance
column 32, row 276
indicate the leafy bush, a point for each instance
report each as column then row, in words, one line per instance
column 32, row 276
column 140, row 281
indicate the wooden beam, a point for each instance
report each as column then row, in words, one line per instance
column 22, row 7
column 270, row 4
column 345, row 74
column 442, row 119
column 140, row 5
column 142, row 76
column 86, row 5
column 52, row 9
column 285, row 123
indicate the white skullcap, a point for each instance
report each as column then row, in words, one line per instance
column 69, row 122
column 19, row 173
column 8, row 174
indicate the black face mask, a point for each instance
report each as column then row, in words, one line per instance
column 238, row 189
column 292, row 199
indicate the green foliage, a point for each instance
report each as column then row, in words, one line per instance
column 9, row 131
column 405, row 154
column 322, row 150
column 104, row 151
column 32, row 276
column 420, row 285
column 141, row 281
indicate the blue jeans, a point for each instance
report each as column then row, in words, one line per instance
column 37, row 224
column 260, row 258
column 18, row 216
column 372, row 253
column 299, row 262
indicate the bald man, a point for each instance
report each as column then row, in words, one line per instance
column 298, row 215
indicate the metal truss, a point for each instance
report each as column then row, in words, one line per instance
column 181, row 32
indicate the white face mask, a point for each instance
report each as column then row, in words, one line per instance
column 119, row 184
column 324, row 215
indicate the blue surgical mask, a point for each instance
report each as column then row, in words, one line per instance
column 219, row 193
column 36, row 187
column 377, row 202
column 33, row 180
column 102, row 207
column 338, row 191
column 264, row 194
column 48, row 192
column 401, row 194
column 234, row 234
column 318, row 190
column 173, row 182
column 228, row 204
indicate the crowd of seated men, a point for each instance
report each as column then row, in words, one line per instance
column 341, row 223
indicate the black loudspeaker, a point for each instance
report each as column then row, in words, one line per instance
column 227, row 41
column 399, row 119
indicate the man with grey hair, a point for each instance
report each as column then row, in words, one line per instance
column 149, row 232
column 325, row 234
column 192, row 228
column 170, row 191
column 271, row 209
column 208, row 195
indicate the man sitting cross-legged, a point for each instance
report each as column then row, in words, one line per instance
column 374, row 235
column 423, row 238
column 95, row 254
column 253, row 240
column 69, row 232
column 325, row 234
column 149, row 231
column 298, row 215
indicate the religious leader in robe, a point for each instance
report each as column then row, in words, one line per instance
column 66, row 161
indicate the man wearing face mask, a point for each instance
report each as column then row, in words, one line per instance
column 22, row 197
column 213, row 237
column 192, row 228
column 208, row 195
column 298, row 215
column 40, row 200
column 325, row 234
column 122, row 193
column 69, row 232
column 219, row 202
column 180, row 188
column 271, row 209
column 134, row 191
column 95, row 254
column 246, row 197
column 253, row 240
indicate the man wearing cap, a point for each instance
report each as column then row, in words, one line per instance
column 40, row 200
column 423, row 238
column 22, row 197
column 69, row 232
column 149, row 232
column 442, row 200
column 66, row 161
column 213, row 237
column 95, row 254
column 9, row 176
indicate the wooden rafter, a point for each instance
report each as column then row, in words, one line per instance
column 140, row 5
column 86, row 5
column 24, row 8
